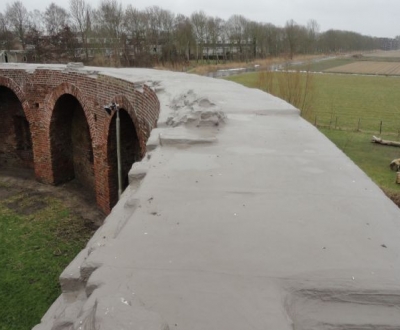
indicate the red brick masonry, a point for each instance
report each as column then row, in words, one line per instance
column 38, row 92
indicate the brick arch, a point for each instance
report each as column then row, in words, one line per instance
column 68, row 88
column 125, row 104
column 133, row 146
column 11, row 84
column 45, row 159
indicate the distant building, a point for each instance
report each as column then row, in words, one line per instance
column 12, row 56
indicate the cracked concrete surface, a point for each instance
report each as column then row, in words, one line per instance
column 259, row 222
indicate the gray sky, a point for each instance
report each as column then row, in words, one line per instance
column 370, row 17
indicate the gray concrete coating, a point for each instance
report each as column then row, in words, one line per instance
column 258, row 222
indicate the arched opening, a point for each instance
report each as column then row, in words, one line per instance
column 15, row 135
column 130, row 152
column 71, row 143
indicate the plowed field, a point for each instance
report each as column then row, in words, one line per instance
column 387, row 54
column 368, row 67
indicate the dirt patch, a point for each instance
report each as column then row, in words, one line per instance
column 5, row 192
column 27, row 196
column 27, row 203
column 395, row 197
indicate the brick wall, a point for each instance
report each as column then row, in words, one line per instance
column 15, row 137
column 70, row 133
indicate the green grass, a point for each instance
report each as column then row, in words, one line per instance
column 347, row 100
column 322, row 65
column 372, row 158
column 343, row 100
column 34, row 249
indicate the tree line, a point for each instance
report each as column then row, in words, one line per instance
column 111, row 34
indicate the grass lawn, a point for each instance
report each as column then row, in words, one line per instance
column 372, row 158
column 323, row 64
column 341, row 100
column 350, row 101
column 39, row 236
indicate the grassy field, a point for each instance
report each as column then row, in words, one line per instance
column 344, row 101
column 372, row 158
column 323, row 64
column 350, row 101
column 358, row 102
column 39, row 237
column 384, row 54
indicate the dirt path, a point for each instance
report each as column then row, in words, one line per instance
column 71, row 194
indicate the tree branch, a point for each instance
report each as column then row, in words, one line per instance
column 385, row 142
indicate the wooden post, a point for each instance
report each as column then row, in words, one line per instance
column 336, row 122
column 380, row 128
column 358, row 125
column 315, row 120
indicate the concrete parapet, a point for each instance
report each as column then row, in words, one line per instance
column 237, row 226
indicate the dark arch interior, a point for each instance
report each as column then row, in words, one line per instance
column 15, row 136
column 71, row 144
column 130, row 152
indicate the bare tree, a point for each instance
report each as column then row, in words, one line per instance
column 56, row 19
column 19, row 20
column 236, row 26
column 275, row 39
column 159, row 32
column 36, row 20
column 6, row 36
column 214, row 31
column 199, row 22
column 183, row 36
column 110, row 18
column 295, row 36
column 153, row 30
column 254, row 36
column 135, row 24
column 155, row 34
column 313, row 29
column 81, row 16
column 167, row 34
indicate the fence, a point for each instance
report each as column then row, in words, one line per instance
column 357, row 123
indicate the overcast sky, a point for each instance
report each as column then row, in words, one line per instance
column 378, row 18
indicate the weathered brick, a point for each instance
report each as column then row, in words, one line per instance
column 54, row 121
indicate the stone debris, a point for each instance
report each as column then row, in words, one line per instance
column 191, row 109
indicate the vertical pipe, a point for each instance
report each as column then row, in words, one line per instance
column 117, row 123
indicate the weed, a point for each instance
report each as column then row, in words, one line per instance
column 292, row 86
